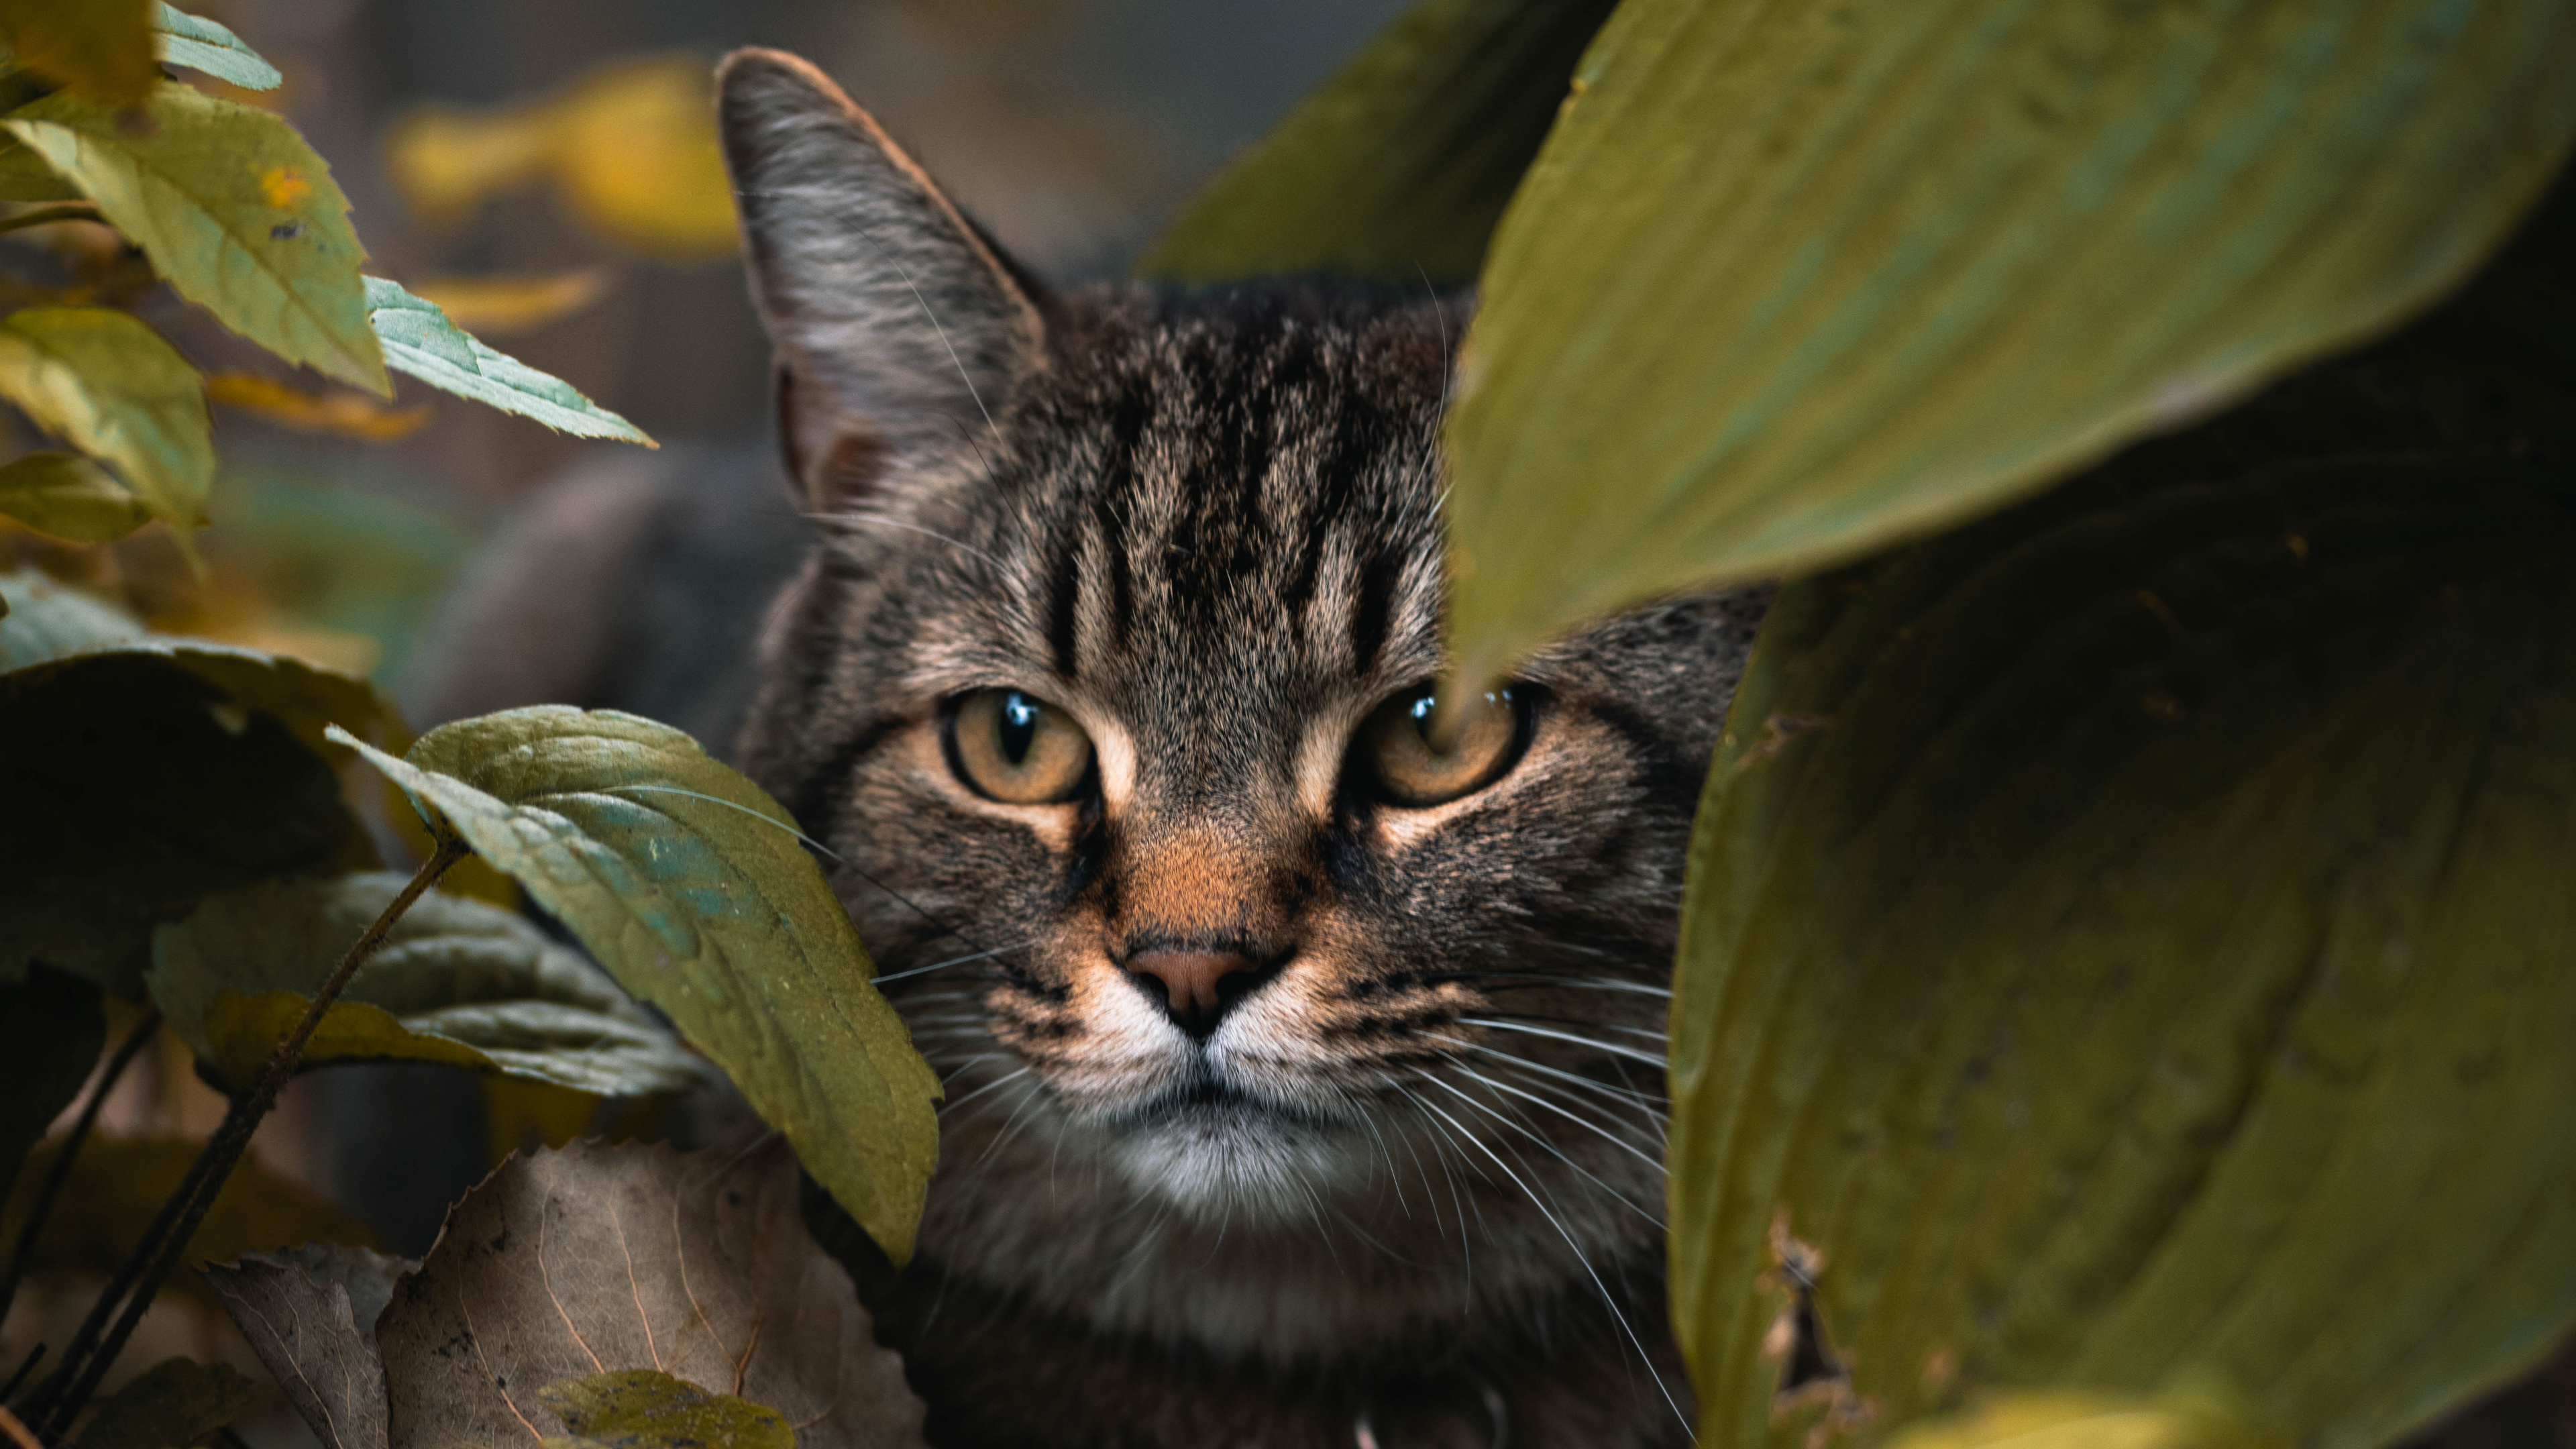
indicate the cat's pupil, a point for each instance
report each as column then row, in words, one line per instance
column 1017, row 726
column 1420, row 712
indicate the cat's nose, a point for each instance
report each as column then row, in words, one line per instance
column 1197, row 987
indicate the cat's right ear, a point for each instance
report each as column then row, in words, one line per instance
column 901, row 334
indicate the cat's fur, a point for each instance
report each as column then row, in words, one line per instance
column 1412, row 1179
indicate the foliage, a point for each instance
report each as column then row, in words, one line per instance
column 2124, row 941
column 116, row 1184
column 456, row 981
column 693, row 888
column 614, row 1294
column 173, row 1402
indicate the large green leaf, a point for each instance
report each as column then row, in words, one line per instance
column 233, row 209
column 2129, row 941
column 455, row 981
column 69, row 497
column 419, row 340
column 108, row 384
column 1396, row 168
column 1788, row 282
column 693, row 888
column 142, row 772
column 201, row 44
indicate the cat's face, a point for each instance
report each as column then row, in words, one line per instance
column 1111, row 688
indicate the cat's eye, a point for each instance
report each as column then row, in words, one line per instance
column 1018, row 749
column 1413, row 763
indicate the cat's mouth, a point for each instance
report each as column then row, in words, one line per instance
column 1208, row 1102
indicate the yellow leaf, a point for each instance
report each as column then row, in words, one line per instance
column 100, row 48
column 632, row 148
column 346, row 413
column 110, row 386
column 499, row 306
column 69, row 497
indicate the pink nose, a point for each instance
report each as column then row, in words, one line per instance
column 1189, row 981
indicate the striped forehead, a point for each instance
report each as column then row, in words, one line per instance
column 1242, row 518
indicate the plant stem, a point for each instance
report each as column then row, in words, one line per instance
column 45, row 215
column 87, row 1359
column 62, row 1168
column 16, row 1431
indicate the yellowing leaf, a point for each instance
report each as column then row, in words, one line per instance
column 2069, row 1420
column 502, row 305
column 1790, row 282
column 101, row 48
column 233, row 209
column 419, row 340
column 1396, row 168
column 692, row 887
column 347, row 414
column 201, row 44
column 648, row 1409
column 632, row 148
column 69, row 497
column 107, row 384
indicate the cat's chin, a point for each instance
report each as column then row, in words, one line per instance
column 1215, row 1152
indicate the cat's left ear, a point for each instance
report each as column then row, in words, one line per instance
column 901, row 332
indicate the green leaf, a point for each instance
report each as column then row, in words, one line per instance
column 106, row 383
column 649, row 1409
column 101, row 48
column 69, row 497
column 51, row 1032
column 142, row 773
column 201, row 44
column 24, row 176
column 45, row 620
column 118, row 1184
column 1788, row 282
column 2129, row 939
column 1396, row 168
column 419, row 340
column 233, row 209
column 169, row 1406
column 693, row 888
column 456, row 981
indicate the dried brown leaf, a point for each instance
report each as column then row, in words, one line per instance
column 310, row 1315
column 596, row 1259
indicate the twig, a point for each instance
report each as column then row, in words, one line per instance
column 62, row 1168
column 10, row 1426
column 89, row 1357
column 25, row 1366
column 46, row 215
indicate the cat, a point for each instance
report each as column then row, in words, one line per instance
column 1303, row 1058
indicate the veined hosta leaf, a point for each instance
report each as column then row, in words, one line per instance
column 455, row 981
column 1789, row 282
column 108, row 384
column 142, row 772
column 233, row 208
column 70, row 497
column 2128, row 942
column 101, row 48
column 693, row 888
column 419, row 340
column 201, row 44
column 1396, row 168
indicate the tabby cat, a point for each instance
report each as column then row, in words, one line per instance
column 1304, row 1062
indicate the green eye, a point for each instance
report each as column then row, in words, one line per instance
column 1014, row 747
column 1408, row 762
